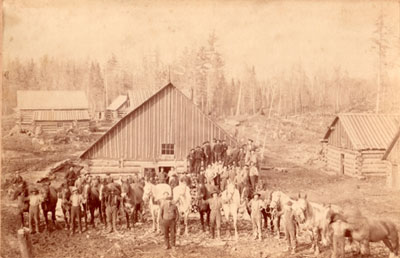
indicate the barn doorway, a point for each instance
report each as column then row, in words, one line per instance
column 342, row 164
column 166, row 169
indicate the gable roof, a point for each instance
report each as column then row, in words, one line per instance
column 55, row 99
column 148, row 99
column 368, row 131
column 138, row 97
column 118, row 102
column 391, row 145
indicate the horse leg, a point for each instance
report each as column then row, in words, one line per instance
column 65, row 218
column 388, row 244
column 127, row 220
column 159, row 220
column 186, row 223
column 276, row 222
column 235, row 226
column 45, row 214
column 316, row 233
column 202, row 219
column 178, row 226
column 92, row 222
column 53, row 217
column 153, row 218
column 208, row 218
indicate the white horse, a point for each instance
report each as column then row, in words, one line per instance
column 277, row 204
column 230, row 205
column 153, row 194
column 183, row 198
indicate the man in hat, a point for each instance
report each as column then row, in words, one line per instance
column 169, row 218
column 76, row 201
column 215, row 214
column 224, row 153
column 113, row 201
column 290, row 227
column 253, row 175
column 257, row 205
column 191, row 160
column 70, row 177
column 241, row 157
column 243, row 179
column 250, row 145
column 207, row 153
column 17, row 179
column 198, row 158
column 162, row 176
column 217, row 151
column 34, row 211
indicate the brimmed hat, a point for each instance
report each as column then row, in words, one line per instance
column 250, row 140
column 166, row 192
column 257, row 193
column 74, row 189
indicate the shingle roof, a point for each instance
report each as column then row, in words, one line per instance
column 60, row 115
column 41, row 99
column 118, row 102
column 368, row 131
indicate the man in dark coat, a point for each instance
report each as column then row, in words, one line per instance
column 198, row 158
column 70, row 177
column 217, row 151
column 241, row 157
column 207, row 153
column 191, row 160
column 224, row 154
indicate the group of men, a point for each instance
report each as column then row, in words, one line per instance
column 219, row 163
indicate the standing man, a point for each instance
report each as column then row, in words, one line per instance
column 169, row 218
column 76, row 201
column 241, row 157
column 215, row 215
column 256, row 205
column 224, row 153
column 34, row 211
column 217, row 151
column 191, row 160
column 207, row 153
column 213, row 157
column 112, row 205
column 254, row 174
column 198, row 158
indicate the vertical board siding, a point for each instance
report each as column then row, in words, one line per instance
column 167, row 117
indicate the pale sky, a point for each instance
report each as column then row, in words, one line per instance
column 272, row 35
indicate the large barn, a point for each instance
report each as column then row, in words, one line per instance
column 392, row 158
column 158, row 133
column 354, row 144
column 53, row 110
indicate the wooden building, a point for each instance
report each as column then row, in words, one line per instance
column 354, row 144
column 392, row 159
column 117, row 108
column 53, row 110
column 158, row 133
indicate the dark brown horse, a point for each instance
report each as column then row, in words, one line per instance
column 132, row 202
column 20, row 193
column 49, row 203
column 353, row 225
column 203, row 194
column 91, row 196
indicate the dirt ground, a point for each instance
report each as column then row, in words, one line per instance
column 370, row 196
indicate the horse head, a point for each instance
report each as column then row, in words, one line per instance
column 125, row 189
column 275, row 202
column 300, row 208
column 147, row 191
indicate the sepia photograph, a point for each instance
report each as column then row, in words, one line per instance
column 214, row 128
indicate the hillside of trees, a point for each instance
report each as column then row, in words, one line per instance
column 202, row 72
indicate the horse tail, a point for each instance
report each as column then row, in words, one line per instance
column 393, row 236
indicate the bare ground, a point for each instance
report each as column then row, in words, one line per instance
column 370, row 195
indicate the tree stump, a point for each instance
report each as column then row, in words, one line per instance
column 25, row 244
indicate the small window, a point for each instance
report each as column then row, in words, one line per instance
column 167, row 149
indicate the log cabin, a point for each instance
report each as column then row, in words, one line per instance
column 354, row 144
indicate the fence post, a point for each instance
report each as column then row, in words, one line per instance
column 25, row 244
